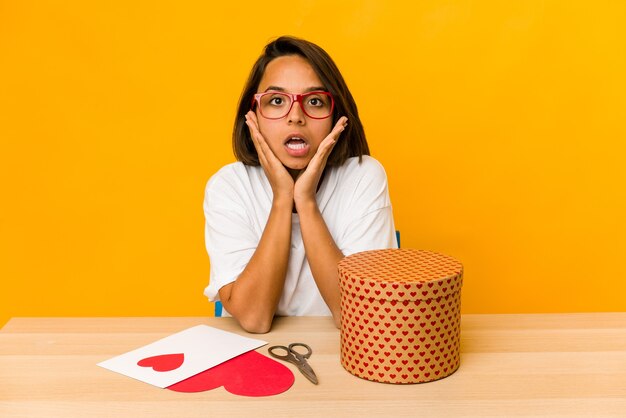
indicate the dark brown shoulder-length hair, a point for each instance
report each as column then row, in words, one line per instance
column 352, row 143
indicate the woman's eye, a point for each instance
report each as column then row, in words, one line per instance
column 276, row 101
column 314, row 101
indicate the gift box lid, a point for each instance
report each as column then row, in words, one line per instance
column 400, row 274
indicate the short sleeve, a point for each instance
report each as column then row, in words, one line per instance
column 369, row 223
column 230, row 235
column 374, row 231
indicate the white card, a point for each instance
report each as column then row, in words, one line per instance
column 181, row 355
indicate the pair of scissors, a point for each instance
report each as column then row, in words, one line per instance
column 295, row 357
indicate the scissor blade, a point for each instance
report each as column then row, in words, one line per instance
column 308, row 372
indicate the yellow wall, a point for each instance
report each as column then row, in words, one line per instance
column 500, row 124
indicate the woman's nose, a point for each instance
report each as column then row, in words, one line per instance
column 296, row 115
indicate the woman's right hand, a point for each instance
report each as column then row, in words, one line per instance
column 281, row 181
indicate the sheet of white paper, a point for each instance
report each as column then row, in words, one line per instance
column 203, row 347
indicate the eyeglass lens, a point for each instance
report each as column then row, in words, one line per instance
column 277, row 105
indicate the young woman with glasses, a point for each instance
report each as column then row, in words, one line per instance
column 303, row 194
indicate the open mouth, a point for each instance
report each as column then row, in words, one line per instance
column 296, row 145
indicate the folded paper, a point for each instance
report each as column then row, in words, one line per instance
column 181, row 355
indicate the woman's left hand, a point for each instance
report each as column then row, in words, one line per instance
column 306, row 183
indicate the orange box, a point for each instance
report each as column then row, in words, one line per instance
column 400, row 315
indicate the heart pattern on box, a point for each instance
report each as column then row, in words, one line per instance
column 400, row 315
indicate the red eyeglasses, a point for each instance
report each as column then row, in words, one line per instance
column 277, row 105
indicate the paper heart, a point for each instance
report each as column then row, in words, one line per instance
column 250, row 374
column 164, row 362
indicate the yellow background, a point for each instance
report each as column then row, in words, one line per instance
column 500, row 124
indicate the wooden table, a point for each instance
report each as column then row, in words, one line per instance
column 569, row 365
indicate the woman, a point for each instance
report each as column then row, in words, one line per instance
column 304, row 194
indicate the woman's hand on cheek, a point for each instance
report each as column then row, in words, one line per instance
column 278, row 176
column 306, row 184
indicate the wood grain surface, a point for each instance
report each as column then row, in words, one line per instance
column 536, row 365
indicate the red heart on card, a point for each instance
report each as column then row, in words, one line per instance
column 163, row 362
column 250, row 374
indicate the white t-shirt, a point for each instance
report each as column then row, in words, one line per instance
column 353, row 200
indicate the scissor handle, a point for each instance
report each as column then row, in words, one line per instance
column 286, row 356
column 290, row 354
column 295, row 352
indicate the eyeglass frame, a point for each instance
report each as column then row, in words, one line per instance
column 256, row 99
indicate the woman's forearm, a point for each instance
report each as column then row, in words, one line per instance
column 322, row 254
column 252, row 298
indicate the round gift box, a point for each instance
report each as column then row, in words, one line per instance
column 400, row 315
